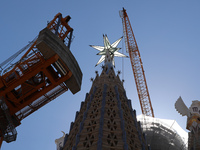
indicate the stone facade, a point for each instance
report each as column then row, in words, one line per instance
column 106, row 120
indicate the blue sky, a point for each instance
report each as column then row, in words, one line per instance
column 167, row 33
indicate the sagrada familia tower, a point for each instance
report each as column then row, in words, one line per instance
column 106, row 119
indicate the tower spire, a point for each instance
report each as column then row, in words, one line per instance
column 106, row 119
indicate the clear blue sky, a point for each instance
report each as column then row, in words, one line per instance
column 167, row 33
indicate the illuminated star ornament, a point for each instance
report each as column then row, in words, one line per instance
column 111, row 48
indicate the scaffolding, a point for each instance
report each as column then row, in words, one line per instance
column 163, row 134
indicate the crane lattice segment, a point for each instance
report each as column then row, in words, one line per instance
column 45, row 71
column 137, row 66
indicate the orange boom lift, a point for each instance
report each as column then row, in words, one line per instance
column 137, row 66
column 46, row 70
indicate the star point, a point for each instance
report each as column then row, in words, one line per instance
column 112, row 48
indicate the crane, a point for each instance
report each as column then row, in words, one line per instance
column 46, row 70
column 137, row 66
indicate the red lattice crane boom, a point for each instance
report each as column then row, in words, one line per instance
column 45, row 71
column 137, row 66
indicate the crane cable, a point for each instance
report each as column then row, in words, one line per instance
column 8, row 61
column 122, row 61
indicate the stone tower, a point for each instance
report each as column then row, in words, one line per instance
column 106, row 120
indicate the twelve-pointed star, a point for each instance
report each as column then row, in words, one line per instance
column 112, row 48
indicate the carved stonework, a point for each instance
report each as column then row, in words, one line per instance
column 193, row 121
column 106, row 119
